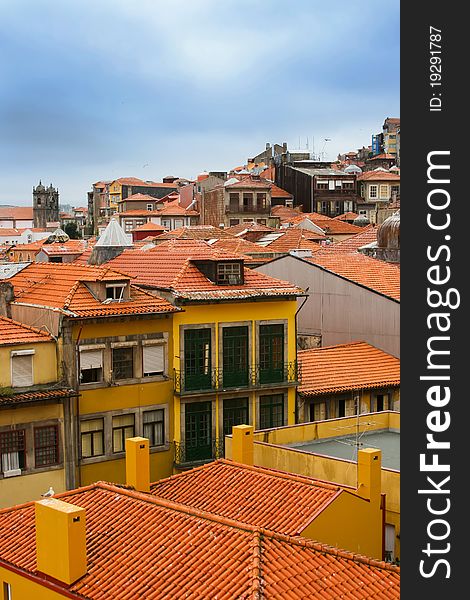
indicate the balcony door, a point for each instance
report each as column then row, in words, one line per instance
column 271, row 353
column 198, row 431
column 235, row 356
column 235, row 413
column 197, row 359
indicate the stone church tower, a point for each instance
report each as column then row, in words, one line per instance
column 45, row 206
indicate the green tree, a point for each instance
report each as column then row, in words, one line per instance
column 72, row 231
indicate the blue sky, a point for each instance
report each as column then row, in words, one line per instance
column 148, row 88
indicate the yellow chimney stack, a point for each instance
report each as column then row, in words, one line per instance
column 243, row 444
column 138, row 463
column 60, row 540
column 369, row 473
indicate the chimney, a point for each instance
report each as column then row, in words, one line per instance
column 7, row 296
column 138, row 463
column 369, row 473
column 60, row 540
column 243, row 444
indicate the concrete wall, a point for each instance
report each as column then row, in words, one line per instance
column 339, row 310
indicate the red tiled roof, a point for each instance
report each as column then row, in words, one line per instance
column 367, row 236
column 349, row 216
column 377, row 275
column 21, row 213
column 247, row 181
column 383, row 157
column 241, row 228
column 150, row 226
column 63, row 248
column 8, row 231
column 62, row 286
column 346, row 367
column 13, row 332
column 135, row 181
column 39, row 395
column 172, row 268
column 327, row 224
column 277, row 192
column 284, row 212
column 140, row 198
column 197, row 232
column 292, row 238
column 141, row 546
column 249, row 493
column 238, row 245
column 378, row 176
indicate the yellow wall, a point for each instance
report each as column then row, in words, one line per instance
column 44, row 362
column 16, row 490
column 351, row 523
column 229, row 313
column 116, row 397
column 270, row 451
column 23, row 588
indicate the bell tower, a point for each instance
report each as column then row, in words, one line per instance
column 45, row 205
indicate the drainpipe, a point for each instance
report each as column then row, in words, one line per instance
column 77, row 367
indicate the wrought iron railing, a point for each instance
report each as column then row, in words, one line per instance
column 218, row 379
column 187, row 453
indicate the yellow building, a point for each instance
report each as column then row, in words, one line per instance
column 234, row 344
column 31, row 414
column 328, row 450
column 347, row 379
column 116, row 350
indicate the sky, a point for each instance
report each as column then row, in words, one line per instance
column 96, row 90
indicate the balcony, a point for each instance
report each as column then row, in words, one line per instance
column 222, row 380
column 187, row 454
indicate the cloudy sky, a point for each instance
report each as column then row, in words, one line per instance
column 100, row 89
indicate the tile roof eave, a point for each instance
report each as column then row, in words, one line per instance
column 26, row 397
column 309, row 262
column 347, row 388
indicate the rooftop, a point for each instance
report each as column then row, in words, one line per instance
column 367, row 236
column 12, row 332
column 344, row 367
column 193, row 554
column 233, row 490
column 378, row 176
column 346, row 447
column 64, row 287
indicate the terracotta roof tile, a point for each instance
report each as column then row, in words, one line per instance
column 248, row 494
column 12, row 332
column 165, row 550
column 197, row 232
column 63, row 287
column 242, row 228
column 39, row 395
column 277, row 192
column 377, row 275
column 349, row 216
column 383, row 157
column 173, row 268
column 378, row 176
column 327, row 224
column 346, row 367
column 367, row 236
column 22, row 213
column 292, row 238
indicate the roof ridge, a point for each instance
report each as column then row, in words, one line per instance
column 257, row 563
column 355, row 343
column 70, row 295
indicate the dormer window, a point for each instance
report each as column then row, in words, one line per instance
column 149, row 207
column 229, row 273
column 115, row 291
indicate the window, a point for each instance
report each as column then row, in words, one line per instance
column 6, row 591
column 348, row 185
column 92, row 438
column 115, row 291
column 234, row 201
column 271, row 411
column 229, row 273
column 322, row 185
column 22, row 368
column 235, row 413
column 234, row 222
column 123, row 363
column 381, row 402
column 261, row 201
column 128, row 226
column 46, row 446
column 154, row 427
column 235, row 356
column 91, row 366
column 153, row 360
column 324, row 208
column 396, row 190
column 12, row 451
column 123, row 428
column 341, row 408
column 373, row 191
column 271, row 353
column 247, row 202
column 178, row 223
column 197, row 359
column 261, row 221
column 384, row 191
column 149, row 206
